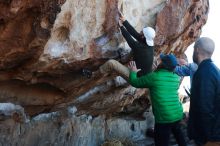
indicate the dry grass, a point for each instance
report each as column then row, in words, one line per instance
column 121, row 142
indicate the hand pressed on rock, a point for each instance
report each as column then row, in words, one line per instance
column 121, row 18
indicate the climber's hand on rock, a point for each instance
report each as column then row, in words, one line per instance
column 120, row 23
column 121, row 16
column 132, row 66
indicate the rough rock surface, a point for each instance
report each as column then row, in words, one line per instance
column 179, row 24
column 45, row 44
column 68, row 130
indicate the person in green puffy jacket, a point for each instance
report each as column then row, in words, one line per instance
column 163, row 84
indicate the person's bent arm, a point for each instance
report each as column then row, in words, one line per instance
column 141, row 82
column 131, row 42
column 132, row 31
column 129, row 28
column 183, row 70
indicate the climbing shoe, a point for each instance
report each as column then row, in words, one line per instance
column 87, row 73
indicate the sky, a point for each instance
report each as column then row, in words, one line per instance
column 212, row 30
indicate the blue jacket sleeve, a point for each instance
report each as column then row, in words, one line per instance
column 183, row 70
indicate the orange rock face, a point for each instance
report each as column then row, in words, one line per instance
column 45, row 44
column 179, row 24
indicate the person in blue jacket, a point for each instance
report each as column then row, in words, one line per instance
column 186, row 69
column 204, row 113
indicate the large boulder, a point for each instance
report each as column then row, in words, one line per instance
column 45, row 44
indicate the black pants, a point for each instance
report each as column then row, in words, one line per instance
column 163, row 131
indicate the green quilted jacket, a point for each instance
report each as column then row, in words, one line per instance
column 163, row 86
